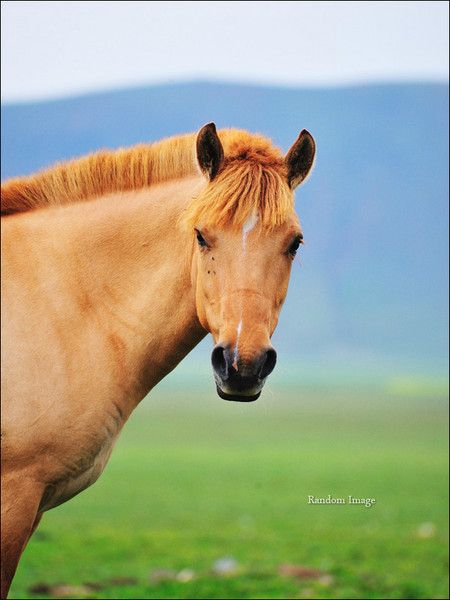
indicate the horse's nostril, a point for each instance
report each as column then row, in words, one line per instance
column 219, row 362
column 268, row 364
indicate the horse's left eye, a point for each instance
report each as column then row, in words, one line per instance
column 295, row 245
column 200, row 239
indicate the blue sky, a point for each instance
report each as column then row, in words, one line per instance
column 52, row 49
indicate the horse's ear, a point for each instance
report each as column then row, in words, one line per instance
column 209, row 150
column 300, row 158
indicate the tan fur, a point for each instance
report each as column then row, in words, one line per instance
column 102, row 298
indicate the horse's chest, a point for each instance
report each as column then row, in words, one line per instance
column 81, row 473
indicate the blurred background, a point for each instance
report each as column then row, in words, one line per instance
column 208, row 499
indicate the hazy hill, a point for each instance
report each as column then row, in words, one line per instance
column 371, row 293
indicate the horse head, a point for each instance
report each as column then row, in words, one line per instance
column 247, row 235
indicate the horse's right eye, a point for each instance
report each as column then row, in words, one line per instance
column 200, row 239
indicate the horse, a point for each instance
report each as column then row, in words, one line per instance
column 115, row 266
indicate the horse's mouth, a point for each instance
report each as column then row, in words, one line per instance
column 237, row 397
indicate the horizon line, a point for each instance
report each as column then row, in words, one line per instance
column 89, row 92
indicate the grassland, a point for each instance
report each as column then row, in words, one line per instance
column 194, row 479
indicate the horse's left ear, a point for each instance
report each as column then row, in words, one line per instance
column 300, row 158
column 209, row 150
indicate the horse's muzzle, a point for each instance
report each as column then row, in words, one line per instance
column 238, row 381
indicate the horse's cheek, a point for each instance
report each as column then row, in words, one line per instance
column 201, row 304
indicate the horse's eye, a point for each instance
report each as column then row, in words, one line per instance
column 295, row 245
column 200, row 239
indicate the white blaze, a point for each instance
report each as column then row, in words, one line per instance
column 235, row 354
column 247, row 227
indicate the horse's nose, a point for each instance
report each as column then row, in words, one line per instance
column 228, row 365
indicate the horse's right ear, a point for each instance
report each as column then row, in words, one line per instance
column 209, row 150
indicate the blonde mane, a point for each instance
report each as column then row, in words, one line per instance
column 252, row 179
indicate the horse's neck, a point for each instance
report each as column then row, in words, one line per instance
column 129, row 263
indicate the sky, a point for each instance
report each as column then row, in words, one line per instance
column 55, row 49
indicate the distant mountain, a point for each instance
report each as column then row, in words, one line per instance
column 372, row 288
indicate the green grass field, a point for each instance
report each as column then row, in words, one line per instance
column 194, row 479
